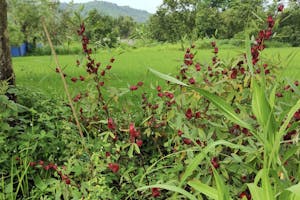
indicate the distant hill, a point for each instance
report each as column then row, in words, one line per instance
column 111, row 9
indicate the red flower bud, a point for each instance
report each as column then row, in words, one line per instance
column 215, row 163
column 108, row 67
column 187, row 141
column 132, row 88
column 110, row 124
column 101, row 83
column 198, row 67
column 74, row 79
column 139, row 143
column 197, row 115
column 114, row 167
column 180, row 133
column 140, row 83
column 158, row 88
column 192, row 81
column 280, row 7
column 189, row 114
column 32, row 164
column 81, row 78
column 155, row 192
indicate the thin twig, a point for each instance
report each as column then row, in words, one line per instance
column 63, row 79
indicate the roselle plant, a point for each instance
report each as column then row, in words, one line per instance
column 217, row 130
column 267, row 127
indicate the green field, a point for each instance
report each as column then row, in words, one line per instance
column 38, row 72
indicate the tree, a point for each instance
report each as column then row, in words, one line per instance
column 125, row 26
column 101, row 29
column 174, row 20
column 6, row 70
column 28, row 14
column 289, row 26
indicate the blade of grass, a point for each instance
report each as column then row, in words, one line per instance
column 290, row 115
column 223, row 192
column 167, row 77
column 205, row 189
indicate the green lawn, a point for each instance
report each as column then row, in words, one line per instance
column 38, row 72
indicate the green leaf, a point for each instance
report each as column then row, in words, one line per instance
column 39, row 183
column 130, row 152
column 136, row 148
column 170, row 188
column 204, row 188
column 272, row 97
column 197, row 160
column 290, row 152
column 228, row 111
column 223, row 192
column 256, row 192
column 260, row 105
column 290, row 115
column 295, row 189
column 167, row 77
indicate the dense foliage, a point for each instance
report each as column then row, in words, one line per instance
column 227, row 129
column 178, row 19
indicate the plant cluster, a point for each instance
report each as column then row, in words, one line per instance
column 217, row 130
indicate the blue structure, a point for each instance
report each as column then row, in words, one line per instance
column 16, row 51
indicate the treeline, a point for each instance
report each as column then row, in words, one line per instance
column 223, row 19
column 25, row 20
column 175, row 20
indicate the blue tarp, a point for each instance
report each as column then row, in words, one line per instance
column 16, row 51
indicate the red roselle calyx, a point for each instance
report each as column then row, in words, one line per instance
column 114, row 167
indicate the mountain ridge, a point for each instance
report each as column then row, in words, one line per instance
column 111, row 9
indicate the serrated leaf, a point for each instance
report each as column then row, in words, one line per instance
column 130, row 151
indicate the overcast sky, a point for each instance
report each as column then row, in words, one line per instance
column 148, row 5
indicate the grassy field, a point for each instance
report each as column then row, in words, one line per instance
column 131, row 65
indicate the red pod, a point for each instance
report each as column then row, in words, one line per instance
column 155, row 192
column 134, row 87
column 280, row 7
column 189, row 114
column 187, row 141
column 110, row 124
column 180, row 133
column 139, row 143
column 140, row 83
column 192, row 81
column 215, row 163
column 74, row 79
column 114, row 167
